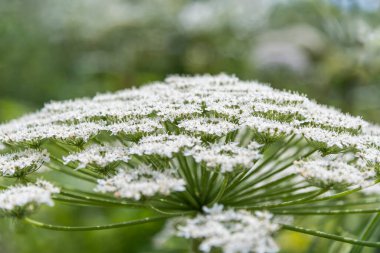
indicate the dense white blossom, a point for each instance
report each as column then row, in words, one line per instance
column 82, row 131
column 163, row 145
column 370, row 155
column 134, row 126
column 334, row 170
column 98, row 155
column 22, row 162
column 230, row 230
column 164, row 118
column 27, row 196
column 267, row 126
column 226, row 156
column 329, row 138
column 142, row 181
column 211, row 126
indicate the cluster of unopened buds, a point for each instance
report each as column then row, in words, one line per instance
column 223, row 160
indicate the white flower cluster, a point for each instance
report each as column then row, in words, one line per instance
column 370, row 155
column 226, row 156
column 31, row 129
column 201, row 104
column 134, row 126
column 22, row 162
column 335, row 171
column 213, row 126
column 142, row 181
column 163, row 145
column 203, row 117
column 232, row 231
column 267, row 127
column 99, row 156
column 27, row 197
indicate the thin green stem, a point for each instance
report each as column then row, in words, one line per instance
column 76, row 202
column 97, row 227
column 367, row 232
column 246, row 194
column 340, row 204
column 326, row 212
column 221, row 191
column 330, row 236
column 73, row 174
column 100, row 200
column 289, row 203
column 281, row 191
column 273, row 156
column 341, row 194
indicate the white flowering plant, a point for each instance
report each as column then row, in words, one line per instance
column 228, row 163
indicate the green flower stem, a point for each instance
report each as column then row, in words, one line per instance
column 86, row 193
column 281, row 191
column 190, row 199
column 272, row 171
column 122, row 141
column 100, row 200
column 194, row 174
column 76, row 202
column 211, row 187
column 150, row 160
column 188, row 195
column 326, row 212
column 237, row 181
column 97, row 227
column 62, row 147
column 287, row 197
column 187, row 173
column 340, row 204
column 169, row 204
column 172, row 211
column 85, row 171
column 288, row 203
column 246, row 194
column 222, row 188
column 341, row 194
column 367, row 232
column 72, row 173
column 331, row 236
column 272, row 157
column 205, row 178
column 247, row 185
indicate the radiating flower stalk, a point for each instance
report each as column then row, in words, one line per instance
column 226, row 162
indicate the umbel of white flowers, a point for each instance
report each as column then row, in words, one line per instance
column 184, row 145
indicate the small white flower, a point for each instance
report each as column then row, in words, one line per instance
column 329, row 138
column 22, row 162
column 27, row 196
column 266, row 126
column 226, row 156
column 141, row 181
column 163, row 145
column 213, row 126
column 231, row 231
column 334, row 171
column 98, row 155
column 134, row 126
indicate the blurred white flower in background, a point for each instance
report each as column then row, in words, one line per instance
column 290, row 47
column 209, row 15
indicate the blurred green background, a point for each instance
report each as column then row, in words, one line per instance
column 60, row 49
